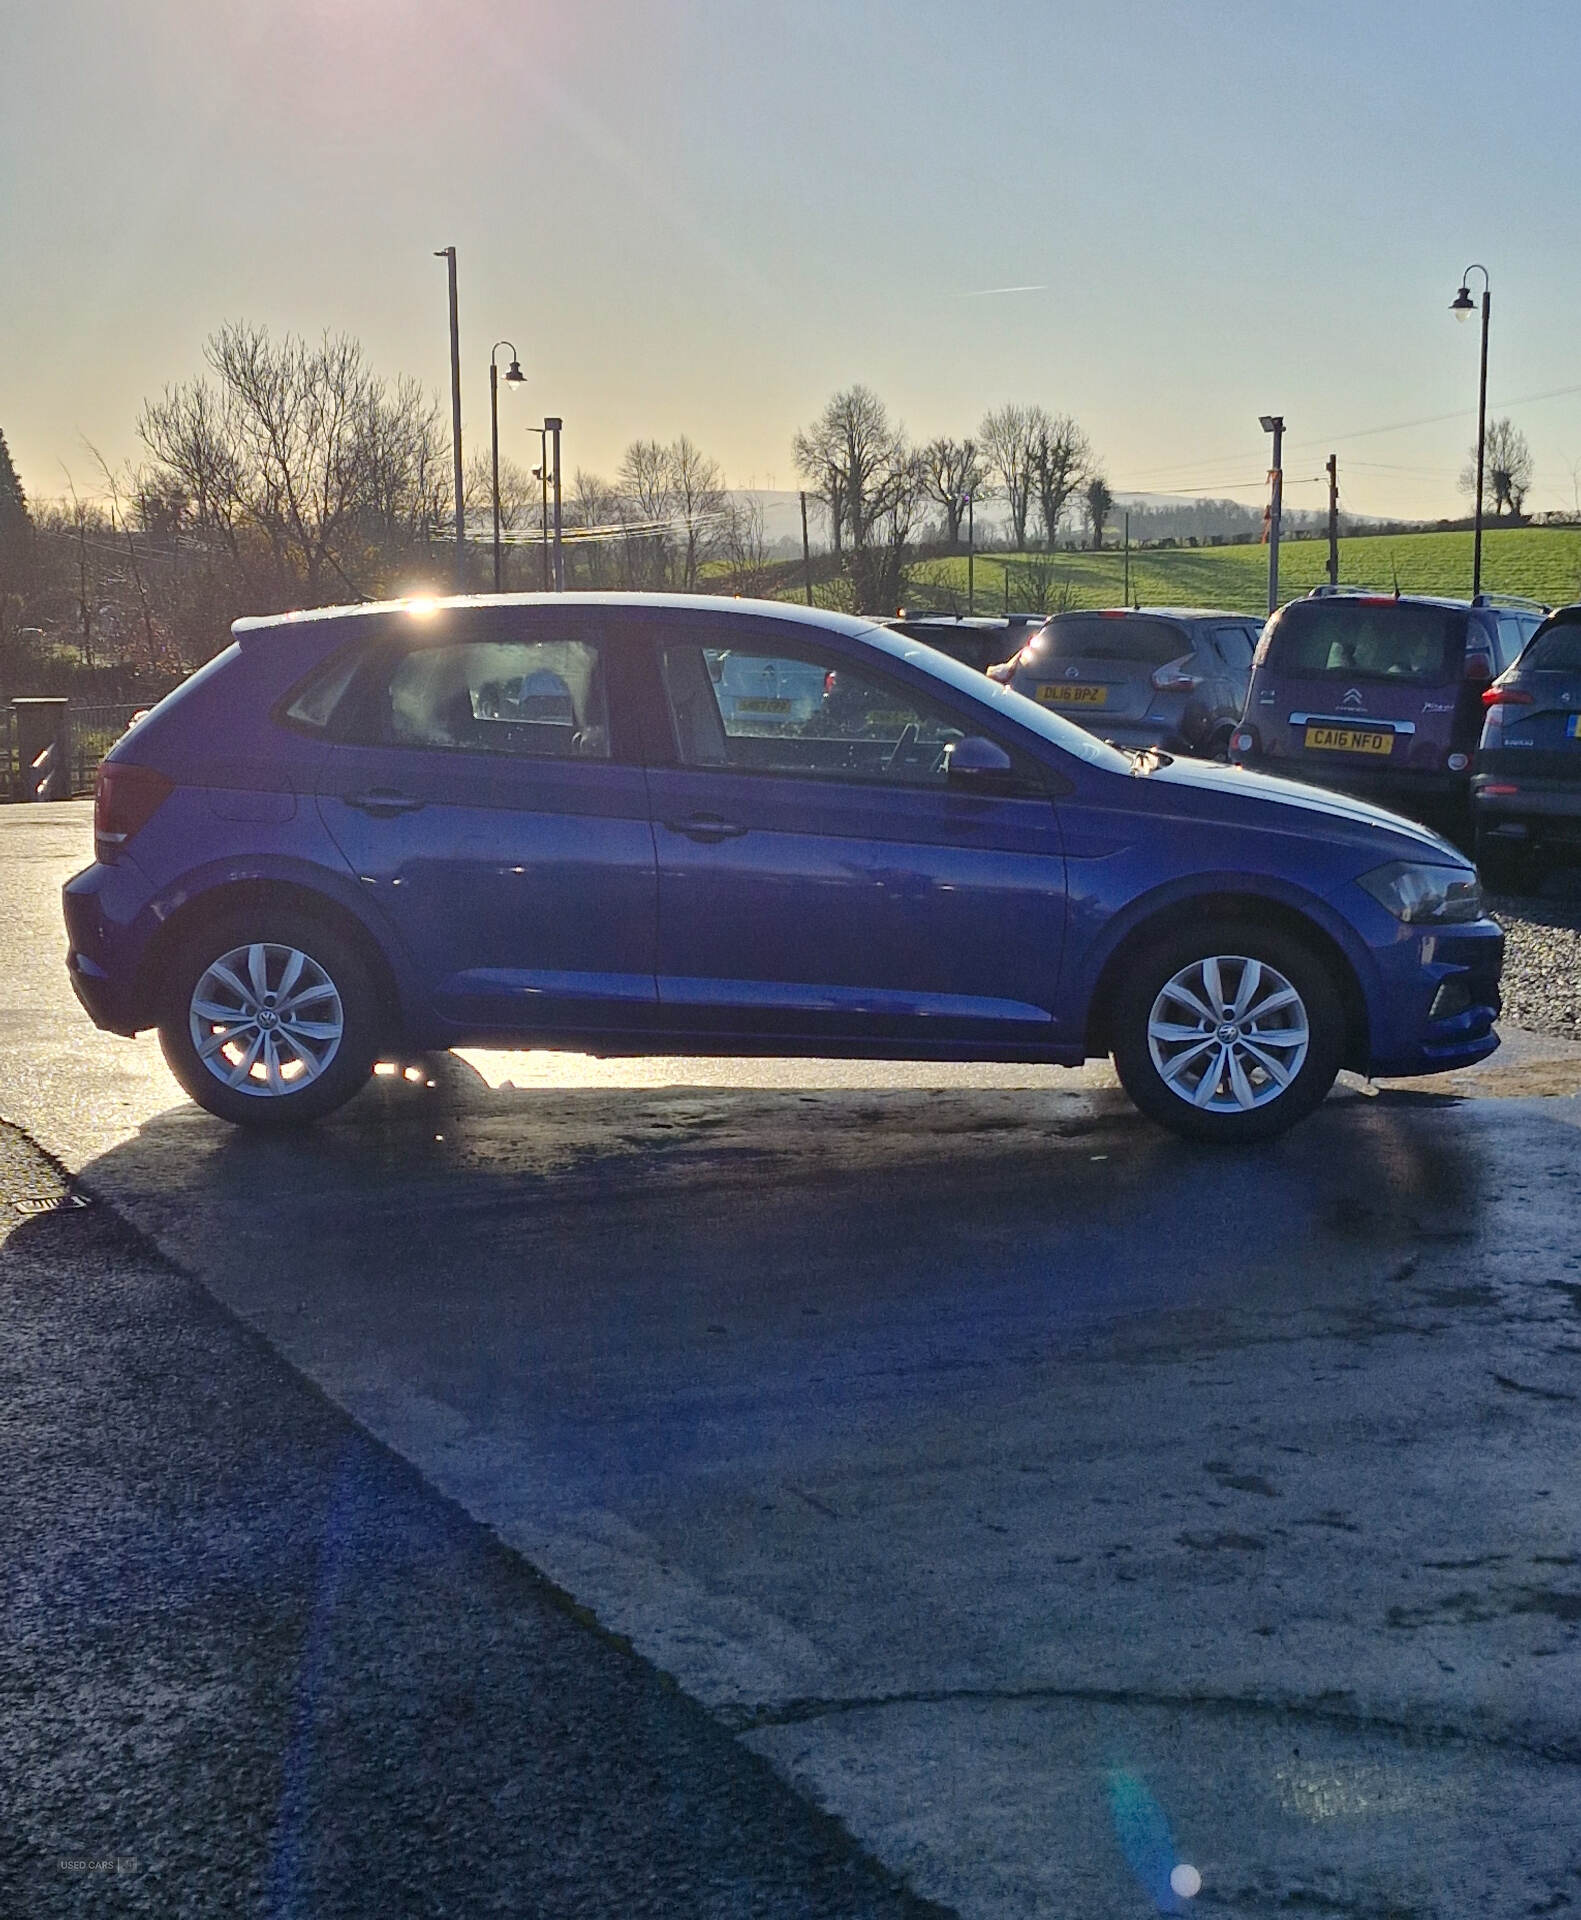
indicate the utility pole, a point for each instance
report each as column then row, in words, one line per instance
column 552, row 428
column 448, row 255
column 806, row 551
column 971, row 553
column 1333, row 521
column 1126, row 596
column 1274, row 423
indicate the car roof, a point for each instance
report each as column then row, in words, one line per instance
column 422, row 606
column 1144, row 613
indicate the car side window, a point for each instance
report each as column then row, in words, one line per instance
column 1512, row 635
column 537, row 698
column 771, row 709
column 1237, row 645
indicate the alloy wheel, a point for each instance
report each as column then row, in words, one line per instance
column 1228, row 1034
column 266, row 1019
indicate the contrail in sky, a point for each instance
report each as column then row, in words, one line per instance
column 979, row 293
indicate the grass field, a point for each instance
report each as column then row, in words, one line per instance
column 1541, row 562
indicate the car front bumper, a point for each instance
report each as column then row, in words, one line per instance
column 1439, row 1000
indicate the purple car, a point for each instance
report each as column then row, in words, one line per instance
column 547, row 822
column 1380, row 694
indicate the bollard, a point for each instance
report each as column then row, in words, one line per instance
column 43, row 747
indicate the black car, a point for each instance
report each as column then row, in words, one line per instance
column 1526, row 791
column 1170, row 677
column 976, row 640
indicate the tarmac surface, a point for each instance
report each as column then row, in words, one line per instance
column 1054, row 1504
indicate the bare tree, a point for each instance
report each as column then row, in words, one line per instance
column 1058, row 455
column 1006, row 438
column 745, row 547
column 1099, row 502
column 952, row 469
column 697, row 497
column 861, row 459
column 1508, row 464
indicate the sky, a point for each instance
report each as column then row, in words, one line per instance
column 706, row 216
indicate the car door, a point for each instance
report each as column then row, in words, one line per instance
column 483, row 786
column 819, row 877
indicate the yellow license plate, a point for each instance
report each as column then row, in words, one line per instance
column 1073, row 694
column 763, row 706
column 1349, row 740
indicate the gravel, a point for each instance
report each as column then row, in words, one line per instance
column 251, row 1664
column 1542, row 956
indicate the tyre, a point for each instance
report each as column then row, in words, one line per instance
column 1506, row 865
column 1228, row 1033
column 273, row 1019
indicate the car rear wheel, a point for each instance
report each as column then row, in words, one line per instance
column 272, row 1019
column 1229, row 1033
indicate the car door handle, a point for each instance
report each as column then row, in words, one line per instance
column 383, row 802
column 707, row 827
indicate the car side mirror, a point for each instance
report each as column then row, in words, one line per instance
column 975, row 765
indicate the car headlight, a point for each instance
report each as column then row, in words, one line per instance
column 1416, row 894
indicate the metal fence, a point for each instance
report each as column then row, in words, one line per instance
column 93, row 730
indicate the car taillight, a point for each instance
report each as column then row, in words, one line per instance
column 1478, row 666
column 1176, row 677
column 1507, row 697
column 125, row 799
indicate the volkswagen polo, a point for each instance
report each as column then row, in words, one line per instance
column 535, row 821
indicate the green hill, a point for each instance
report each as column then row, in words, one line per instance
column 1543, row 563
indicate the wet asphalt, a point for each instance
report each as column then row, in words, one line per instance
column 251, row 1664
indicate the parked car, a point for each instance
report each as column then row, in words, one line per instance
column 1170, row 677
column 1380, row 694
column 976, row 640
column 765, row 696
column 1526, row 791
column 327, row 845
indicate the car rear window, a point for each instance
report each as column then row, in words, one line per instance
column 1149, row 643
column 1556, row 651
column 1368, row 640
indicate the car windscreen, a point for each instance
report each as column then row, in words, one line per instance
column 1556, row 650
column 1141, row 642
column 1368, row 640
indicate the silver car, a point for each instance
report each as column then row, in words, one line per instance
column 1170, row 677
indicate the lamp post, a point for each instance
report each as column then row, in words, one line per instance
column 1462, row 309
column 448, row 254
column 1274, row 423
column 514, row 374
column 551, row 427
column 971, row 554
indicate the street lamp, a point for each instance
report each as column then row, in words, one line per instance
column 1462, row 308
column 514, row 374
column 1274, row 423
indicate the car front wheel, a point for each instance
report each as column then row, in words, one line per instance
column 272, row 1018
column 1228, row 1034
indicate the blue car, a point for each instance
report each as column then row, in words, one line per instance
column 533, row 821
